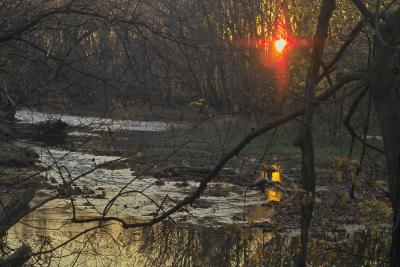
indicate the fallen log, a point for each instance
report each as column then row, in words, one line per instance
column 18, row 258
column 181, row 170
column 15, row 209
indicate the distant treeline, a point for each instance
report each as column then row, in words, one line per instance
column 115, row 54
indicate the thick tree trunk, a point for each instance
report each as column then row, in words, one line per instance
column 305, row 140
column 387, row 103
column 307, row 204
column 385, row 90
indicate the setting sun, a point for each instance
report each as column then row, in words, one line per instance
column 280, row 45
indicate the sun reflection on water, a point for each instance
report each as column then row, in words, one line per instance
column 274, row 195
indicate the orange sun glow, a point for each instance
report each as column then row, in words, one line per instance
column 280, row 45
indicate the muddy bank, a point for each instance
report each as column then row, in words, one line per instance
column 14, row 154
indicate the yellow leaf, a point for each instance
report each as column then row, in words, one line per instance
column 195, row 103
column 333, row 255
column 297, row 252
column 198, row 102
column 339, row 176
column 298, row 189
column 345, row 196
column 237, row 227
column 357, row 182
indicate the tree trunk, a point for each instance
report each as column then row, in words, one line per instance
column 384, row 83
column 305, row 140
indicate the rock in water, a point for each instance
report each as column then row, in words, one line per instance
column 52, row 132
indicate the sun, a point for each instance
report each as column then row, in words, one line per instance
column 280, row 45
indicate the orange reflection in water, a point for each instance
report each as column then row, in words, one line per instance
column 274, row 196
column 276, row 177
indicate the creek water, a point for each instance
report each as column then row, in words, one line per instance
column 216, row 232
column 28, row 116
column 168, row 244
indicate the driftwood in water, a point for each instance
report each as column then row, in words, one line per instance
column 10, row 214
column 52, row 132
column 15, row 209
